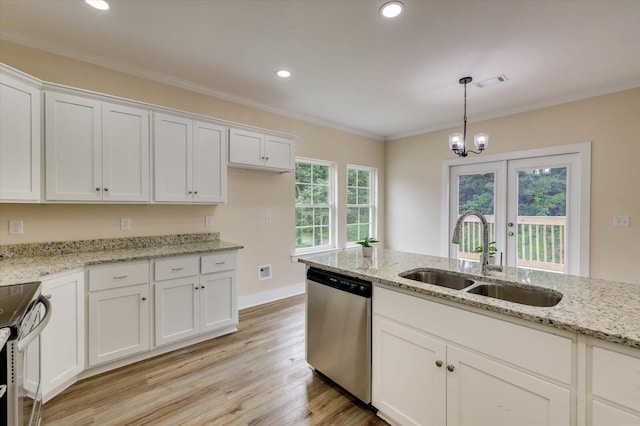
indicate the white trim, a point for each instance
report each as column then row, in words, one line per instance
column 47, row 46
column 270, row 295
column 583, row 149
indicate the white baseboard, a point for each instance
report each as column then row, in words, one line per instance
column 270, row 296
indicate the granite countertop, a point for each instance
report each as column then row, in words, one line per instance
column 33, row 267
column 603, row 309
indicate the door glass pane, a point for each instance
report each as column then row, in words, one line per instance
column 542, row 218
column 476, row 191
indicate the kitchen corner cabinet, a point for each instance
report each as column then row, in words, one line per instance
column 438, row 365
column 194, row 295
column 95, row 151
column 19, row 139
column 256, row 150
column 613, row 385
column 63, row 339
column 189, row 160
column 118, row 311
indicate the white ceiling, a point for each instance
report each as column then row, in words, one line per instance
column 353, row 69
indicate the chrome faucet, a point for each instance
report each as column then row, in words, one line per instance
column 484, row 259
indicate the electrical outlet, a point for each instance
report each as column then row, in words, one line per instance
column 208, row 220
column 267, row 218
column 125, row 224
column 621, row 221
column 15, row 227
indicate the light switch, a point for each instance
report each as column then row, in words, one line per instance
column 208, row 220
column 15, row 227
column 267, row 218
column 621, row 221
column 125, row 224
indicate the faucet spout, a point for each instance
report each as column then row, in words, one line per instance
column 455, row 239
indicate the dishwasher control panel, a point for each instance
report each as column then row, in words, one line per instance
column 341, row 282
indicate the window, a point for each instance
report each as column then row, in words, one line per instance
column 315, row 205
column 361, row 203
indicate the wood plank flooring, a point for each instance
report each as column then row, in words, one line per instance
column 256, row 376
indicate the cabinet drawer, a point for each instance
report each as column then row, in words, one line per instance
column 176, row 267
column 118, row 275
column 542, row 352
column 615, row 376
column 218, row 262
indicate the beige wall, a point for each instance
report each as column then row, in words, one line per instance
column 611, row 122
column 251, row 194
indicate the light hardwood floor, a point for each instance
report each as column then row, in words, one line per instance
column 257, row 375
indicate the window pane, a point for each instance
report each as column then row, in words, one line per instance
column 352, row 196
column 324, row 215
column 476, row 193
column 306, row 216
column 364, row 231
column 352, row 233
column 325, row 240
column 363, row 178
column 364, row 214
column 363, row 196
column 320, row 194
column 317, row 237
column 352, row 215
column 306, row 237
column 303, row 172
column 320, row 174
column 303, row 194
column 352, row 177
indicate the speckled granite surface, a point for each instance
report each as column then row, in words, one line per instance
column 602, row 309
column 21, row 269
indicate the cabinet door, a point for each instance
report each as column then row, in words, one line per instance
column 62, row 339
column 118, row 323
column 483, row 392
column 172, row 139
column 19, row 141
column 209, row 163
column 125, row 153
column 408, row 385
column 279, row 153
column 246, row 147
column 217, row 301
column 177, row 309
column 73, row 148
column 604, row 414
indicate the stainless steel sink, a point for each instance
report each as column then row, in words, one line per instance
column 439, row 278
column 524, row 296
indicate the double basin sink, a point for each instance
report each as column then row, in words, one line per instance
column 510, row 293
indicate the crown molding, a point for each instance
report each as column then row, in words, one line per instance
column 58, row 49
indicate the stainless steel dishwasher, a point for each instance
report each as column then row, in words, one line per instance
column 338, row 340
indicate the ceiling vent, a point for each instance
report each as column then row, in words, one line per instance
column 492, row 81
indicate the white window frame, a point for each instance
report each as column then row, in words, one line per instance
column 332, row 206
column 373, row 200
column 582, row 149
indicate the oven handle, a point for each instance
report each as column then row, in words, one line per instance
column 22, row 343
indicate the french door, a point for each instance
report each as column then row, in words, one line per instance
column 532, row 206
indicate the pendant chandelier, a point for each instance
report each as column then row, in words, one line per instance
column 458, row 141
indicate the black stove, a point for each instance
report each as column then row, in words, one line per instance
column 15, row 301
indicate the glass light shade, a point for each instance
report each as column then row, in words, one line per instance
column 391, row 9
column 455, row 141
column 481, row 141
column 98, row 4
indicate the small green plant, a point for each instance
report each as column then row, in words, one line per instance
column 492, row 249
column 367, row 242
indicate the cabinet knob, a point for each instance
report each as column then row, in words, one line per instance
column 438, row 363
column 266, row 158
column 189, row 192
column 195, row 192
column 106, row 190
column 197, row 288
column 97, row 188
column 450, row 367
column 144, row 298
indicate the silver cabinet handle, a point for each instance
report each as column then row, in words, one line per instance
column 220, row 263
column 119, row 277
column 450, row 367
column 438, row 363
column 177, row 269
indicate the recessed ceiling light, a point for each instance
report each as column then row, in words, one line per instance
column 98, row 4
column 391, row 9
column 283, row 73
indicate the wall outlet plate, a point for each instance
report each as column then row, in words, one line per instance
column 621, row 221
column 16, row 227
column 264, row 272
column 125, row 224
column 208, row 220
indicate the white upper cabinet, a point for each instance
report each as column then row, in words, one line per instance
column 95, row 151
column 19, row 140
column 189, row 165
column 256, row 150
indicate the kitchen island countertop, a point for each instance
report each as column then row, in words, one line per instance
column 603, row 309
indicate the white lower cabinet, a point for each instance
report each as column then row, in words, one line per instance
column 194, row 302
column 118, row 311
column 613, row 385
column 439, row 365
column 62, row 341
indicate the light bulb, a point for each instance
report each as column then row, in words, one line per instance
column 391, row 9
